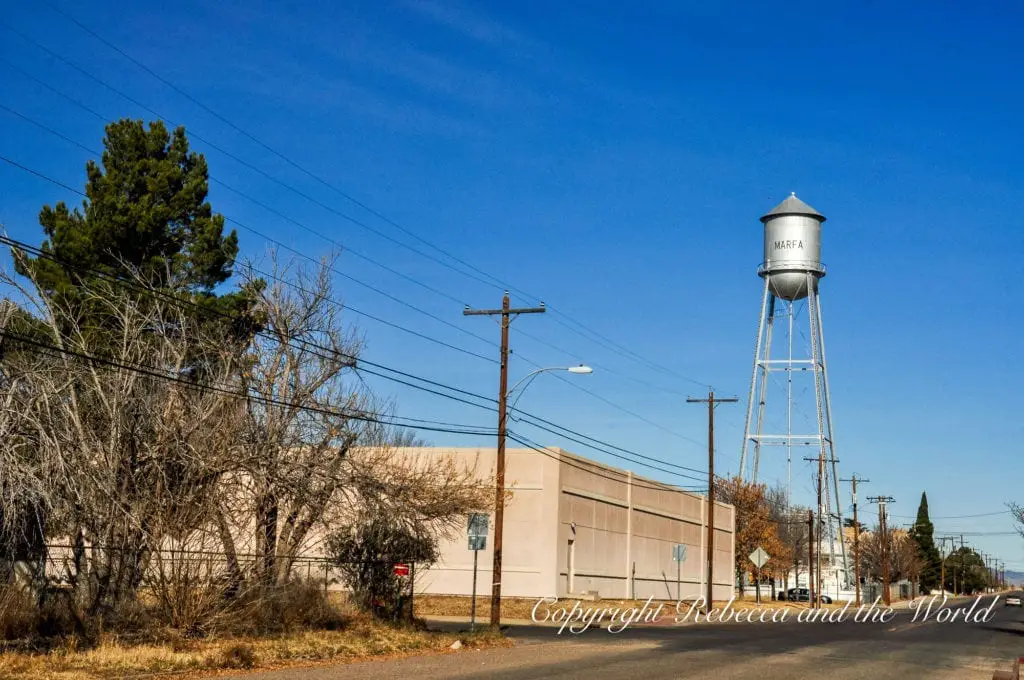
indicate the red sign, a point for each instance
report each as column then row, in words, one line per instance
column 401, row 570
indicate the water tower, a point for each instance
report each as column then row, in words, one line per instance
column 792, row 271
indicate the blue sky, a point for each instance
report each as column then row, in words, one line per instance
column 613, row 160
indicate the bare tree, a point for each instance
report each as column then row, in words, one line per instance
column 144, row 435
column 901, row 550
column 113, row 441
column 906, row 558
column 316, row 445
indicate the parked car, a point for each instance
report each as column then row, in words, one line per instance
column 804, row 595
column 1013, row 601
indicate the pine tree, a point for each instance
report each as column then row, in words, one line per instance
column 923, row 534
column 145, row 218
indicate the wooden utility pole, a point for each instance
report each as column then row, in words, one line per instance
column 711, row 401
column 507, row 314
column 984, row 568
column 856, row 534
column 815, row 586
column 963, row 570
column 883, row 528
column 810, row 556
column 942, row 568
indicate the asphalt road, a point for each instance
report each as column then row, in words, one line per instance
column 900, row 649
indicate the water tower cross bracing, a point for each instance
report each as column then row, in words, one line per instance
column 792, row 270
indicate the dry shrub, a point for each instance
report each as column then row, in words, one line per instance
column 186, row 597
column 19, row 617
column 291, row 606
column 38, row 624
column 237, row 656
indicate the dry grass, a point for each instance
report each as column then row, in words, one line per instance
column 511, row 607
column 457, row 605
column 362, row 639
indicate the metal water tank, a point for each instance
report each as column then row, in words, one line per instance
column 792, row 248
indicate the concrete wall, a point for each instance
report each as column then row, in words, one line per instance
column 528, row 558
column 625, row 529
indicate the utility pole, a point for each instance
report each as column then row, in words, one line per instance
column 711, row 401
column 942, row 571
column 963, row 569
column 820, row 460
column 856, row 533
column 810, row 555
column 883, row 528
column 507, row 314
column 984, row 567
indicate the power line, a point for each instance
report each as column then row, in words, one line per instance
column 625, row 410
column 238, row 159
column 152, row 372
column 597, row 444
column 357, row 281
column 278, row 243
column 345, row 248
column 527, row 442
column 983, row 514
column 293, row 250
column 979, row 534
column 356, row 361
column 283, row 157
column 603, row 368
column 621, row 349
column 621, row 457
column 538, row 419
column 299, row 253
column 418, row 424
column 344, row 275
column 494, row 281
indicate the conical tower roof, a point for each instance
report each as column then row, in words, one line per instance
column 793, row 206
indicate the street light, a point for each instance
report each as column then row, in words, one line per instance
column 528, row 378
column 499, row 506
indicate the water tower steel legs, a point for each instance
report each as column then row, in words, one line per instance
column 754, row 426
column 753, row 379
column 764, row 384
column 819, row 397
column 789, row 407
column 824, row 408
column 831, row 438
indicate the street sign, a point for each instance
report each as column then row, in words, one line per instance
column 679, row 553
column 477, row 530
column 401, row 570
column 759, row 557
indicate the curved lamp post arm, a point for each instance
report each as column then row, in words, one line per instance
column 529, row 377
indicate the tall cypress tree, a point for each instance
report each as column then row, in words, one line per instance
column 923, row 534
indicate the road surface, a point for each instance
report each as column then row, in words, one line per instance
column 899, row 649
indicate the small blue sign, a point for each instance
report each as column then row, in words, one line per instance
column 679, row 553
column 477, row 530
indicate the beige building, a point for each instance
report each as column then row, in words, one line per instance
column 574, row 526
